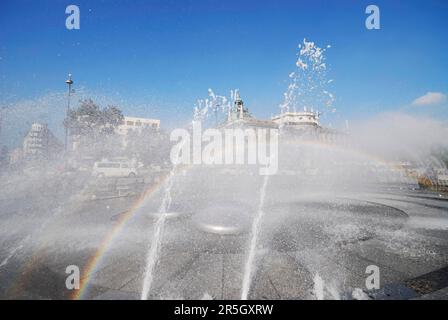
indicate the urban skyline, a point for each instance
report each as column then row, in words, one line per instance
column 222, row 46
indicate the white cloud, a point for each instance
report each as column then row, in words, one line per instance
column 430, row 98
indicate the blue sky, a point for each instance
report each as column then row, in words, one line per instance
column 155, row 58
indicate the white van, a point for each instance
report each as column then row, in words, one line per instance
column 113, row 169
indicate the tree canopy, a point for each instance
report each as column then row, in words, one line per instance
column 90, row 120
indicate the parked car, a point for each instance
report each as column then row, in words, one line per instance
column 113, row 169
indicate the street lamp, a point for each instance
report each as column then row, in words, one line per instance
column 69, row 81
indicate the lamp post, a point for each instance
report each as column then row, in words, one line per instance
column 69, row 82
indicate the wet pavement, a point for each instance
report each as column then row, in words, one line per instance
column 308, row 229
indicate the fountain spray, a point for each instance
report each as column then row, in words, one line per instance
column 256, row 225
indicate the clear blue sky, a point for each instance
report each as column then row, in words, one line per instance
column 157, row 57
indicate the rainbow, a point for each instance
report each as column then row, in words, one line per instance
column 95, row 261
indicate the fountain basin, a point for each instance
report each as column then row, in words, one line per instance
column 320, row 224
column 224, row 219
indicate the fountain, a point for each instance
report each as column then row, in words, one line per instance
column 318, row 288
column 156, row 238
column 249, row 268
column 226, row 232
column 223, row 219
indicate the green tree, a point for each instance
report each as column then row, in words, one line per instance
column 90, row 120
column 93, row 128
column 111, row 118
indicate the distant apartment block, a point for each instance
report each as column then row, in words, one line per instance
column 39, row 142
column 137, row 124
